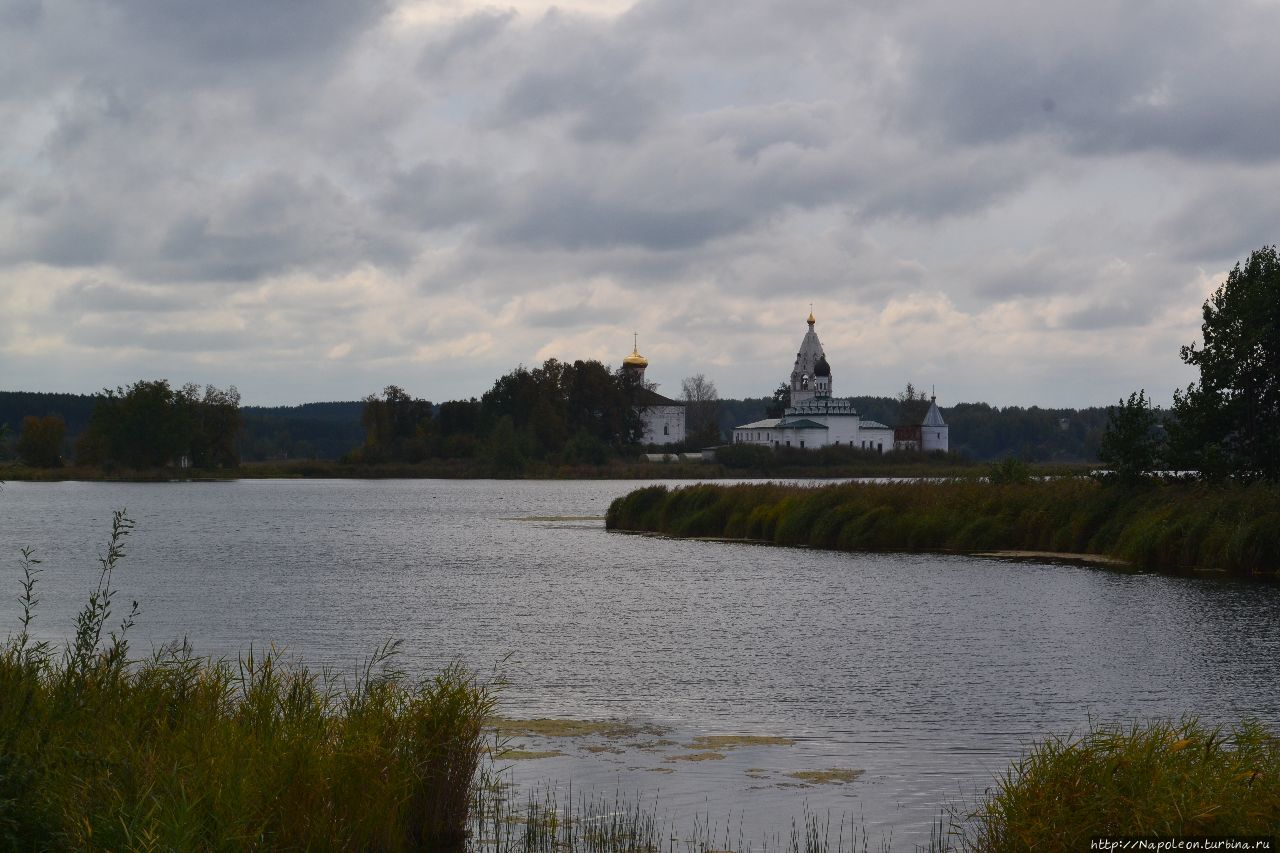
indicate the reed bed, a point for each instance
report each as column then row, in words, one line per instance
column 179, row 752
column 1167, row 527
column 1163, row 779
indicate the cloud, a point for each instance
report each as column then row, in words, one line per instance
column 990, row 192
column 1096, row 77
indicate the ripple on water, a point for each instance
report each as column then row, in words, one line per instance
column 925, row 672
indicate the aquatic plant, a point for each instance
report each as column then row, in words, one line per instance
column 1166, row 779
column 184, row 752
column 1169, row 527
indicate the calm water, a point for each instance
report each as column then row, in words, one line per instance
column 928, row 673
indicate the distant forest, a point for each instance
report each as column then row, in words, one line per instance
column 331, row 430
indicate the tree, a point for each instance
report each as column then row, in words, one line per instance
column 913, row 405
column 40, row 443
column 1131, row 444
column 701, row 409
column 779, row 402
column 213, row 418
column 396, row 427
column 1227, row 423
column 150, row 425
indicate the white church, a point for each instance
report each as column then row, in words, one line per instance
column 817, row 419
column 663, row 417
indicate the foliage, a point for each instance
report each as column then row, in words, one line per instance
column 178, row 752
column 396, row 427
column 1226, row 423
column 151, row 425
column 504, row 450
column 778, row 403
column 913, row 405
column 1131, row 447
column 308, row 431
column 1171, row 527
column 40, row 443
column 1009, row 471
column 1161, row 779
column 701, row 410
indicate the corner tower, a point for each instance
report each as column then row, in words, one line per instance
column 811, row 376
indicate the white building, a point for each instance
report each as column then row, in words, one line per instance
column 816, row 419
column 663, row 417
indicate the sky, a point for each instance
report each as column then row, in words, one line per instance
column 1018, row 203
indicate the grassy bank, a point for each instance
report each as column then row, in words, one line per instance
column 179, row 752
column 1162, row 779
column 1167, row 527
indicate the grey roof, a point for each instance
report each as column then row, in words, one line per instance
column 872, row 425
column 768, row 423
column 801, row 423
column 649, row 397
column 934, row 417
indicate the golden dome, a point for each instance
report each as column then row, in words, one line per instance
column 635, row 359
column 811, row 321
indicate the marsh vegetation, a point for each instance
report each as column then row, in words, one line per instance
column 1166, row 527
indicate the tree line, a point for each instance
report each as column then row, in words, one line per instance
column 559, row 412
column 148, row 424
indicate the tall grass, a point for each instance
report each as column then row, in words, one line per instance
column 1163, row 779
column 182, row 752
column 1168, row 527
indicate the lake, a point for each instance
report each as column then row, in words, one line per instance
column 924, row 674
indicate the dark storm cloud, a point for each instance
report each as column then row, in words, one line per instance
column 270, row 224
column 239, row 33
column 1226, row 220
column 462, row 39
column 1098, row 77
column 604, row 92
column 440, row 195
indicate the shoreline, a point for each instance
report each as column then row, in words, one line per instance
column 1173, row 529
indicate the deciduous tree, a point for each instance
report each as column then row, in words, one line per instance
column 40, row 442
column 1132, row 443
column 701, row 409
column 1227, row 422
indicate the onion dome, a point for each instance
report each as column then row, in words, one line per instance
column 635, row 359
column 811, row 321
column 822, row 368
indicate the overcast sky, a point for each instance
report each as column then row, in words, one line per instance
column 1016, row 202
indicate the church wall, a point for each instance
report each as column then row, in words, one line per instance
column 664, row 425
column 880, row 440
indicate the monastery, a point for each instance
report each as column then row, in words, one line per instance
column 816, row 419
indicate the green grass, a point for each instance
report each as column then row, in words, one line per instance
column 179, row 752
column 1162, row 779
column 1166, row 527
